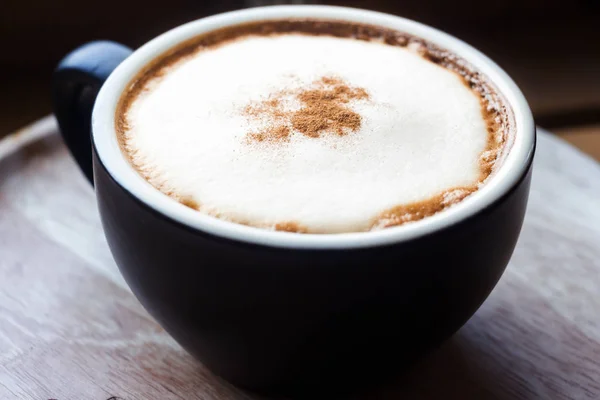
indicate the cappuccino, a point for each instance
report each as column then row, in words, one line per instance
column 313, row 126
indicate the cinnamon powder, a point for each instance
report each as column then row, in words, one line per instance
column 324, row 109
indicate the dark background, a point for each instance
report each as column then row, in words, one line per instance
column 550, row 47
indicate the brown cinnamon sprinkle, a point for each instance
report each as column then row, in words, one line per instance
column 324, row 108
column 290, row 227
column 189, row 201
column 418, row 210
column 276, row 133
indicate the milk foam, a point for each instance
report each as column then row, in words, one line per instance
column 422, row 133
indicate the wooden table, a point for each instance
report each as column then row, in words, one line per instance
column 71, row 329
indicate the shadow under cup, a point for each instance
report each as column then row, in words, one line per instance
column 290, row 313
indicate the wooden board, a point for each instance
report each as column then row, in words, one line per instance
column 586, row 138
column 71, row 329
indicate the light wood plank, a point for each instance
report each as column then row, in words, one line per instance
column 71, row 329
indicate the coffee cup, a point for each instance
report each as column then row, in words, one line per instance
column 283, row 312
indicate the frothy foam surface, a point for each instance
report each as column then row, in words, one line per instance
column 387, row 135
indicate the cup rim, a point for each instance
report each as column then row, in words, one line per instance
column 109, row 153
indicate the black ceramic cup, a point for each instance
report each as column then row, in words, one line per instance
column 285, row 312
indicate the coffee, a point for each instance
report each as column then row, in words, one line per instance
column 313, row 126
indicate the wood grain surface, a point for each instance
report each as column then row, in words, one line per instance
column 71, row 329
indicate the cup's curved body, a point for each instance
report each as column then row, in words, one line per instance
column 280, row 319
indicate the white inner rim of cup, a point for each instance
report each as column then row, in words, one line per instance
column 109, row 152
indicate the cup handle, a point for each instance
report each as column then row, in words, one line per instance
column 75, row 85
